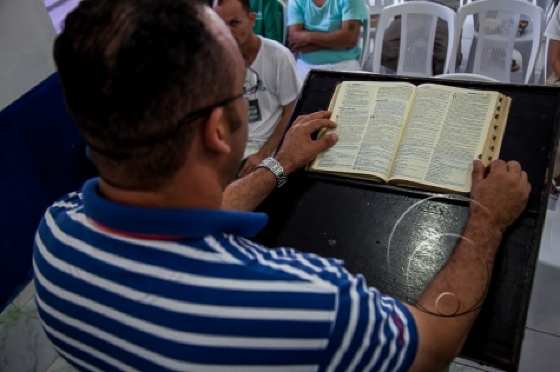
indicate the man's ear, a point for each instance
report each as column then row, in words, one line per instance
column 215, row 133
column 252, row 18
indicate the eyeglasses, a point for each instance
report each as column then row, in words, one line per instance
column 247, row 90
column 188, row 118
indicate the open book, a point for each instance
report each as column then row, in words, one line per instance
column 425, row 136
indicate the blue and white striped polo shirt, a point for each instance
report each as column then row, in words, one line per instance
column 135, row 289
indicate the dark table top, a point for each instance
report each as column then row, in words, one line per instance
column 376, row 229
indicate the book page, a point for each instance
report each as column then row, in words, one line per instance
column 447, row 130
column 370, row 117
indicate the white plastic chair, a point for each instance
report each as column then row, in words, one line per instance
column 498, row 24
column 546, row 64
column 540, row 65
column 465, row 2
column 549, row 11
column 365, row 40
column 418, row 31
column 375, row 8
column 466, row 77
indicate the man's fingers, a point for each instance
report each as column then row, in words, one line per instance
column 314, row 125
column 478, row 171
column 326, row 142
column 514, row 167
column 525, row 182
column 316, row 115
column 498, row 166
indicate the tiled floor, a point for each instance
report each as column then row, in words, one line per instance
column 24, row 347
column 541, row 347
column 540, row 352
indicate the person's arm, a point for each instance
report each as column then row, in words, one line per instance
column 446, row 310
column 554, row 56
column 344, row 38
column 272, row 144
column 295, row 24
column 297, row 45
column 297, row 150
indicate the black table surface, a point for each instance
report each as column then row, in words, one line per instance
column 399, row 238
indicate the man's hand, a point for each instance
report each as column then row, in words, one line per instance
column 299, row 40
column 299, row 148
column 502, row 194
column 251, row 163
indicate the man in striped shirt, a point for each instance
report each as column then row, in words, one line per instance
column 150, row 266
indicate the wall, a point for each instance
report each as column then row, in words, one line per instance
column 26, row 37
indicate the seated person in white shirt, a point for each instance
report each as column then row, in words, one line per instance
column 271, row 67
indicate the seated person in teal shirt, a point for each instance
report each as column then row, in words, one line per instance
column 325, row 33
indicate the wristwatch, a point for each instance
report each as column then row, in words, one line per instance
column 276, row 168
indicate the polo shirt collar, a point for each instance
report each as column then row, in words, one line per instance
column 173, row 222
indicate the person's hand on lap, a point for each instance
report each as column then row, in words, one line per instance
column 299, row 40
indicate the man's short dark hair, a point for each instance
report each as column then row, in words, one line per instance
column 244, row 3
column 131, row 70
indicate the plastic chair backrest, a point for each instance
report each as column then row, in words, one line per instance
column 498, row 27
column 466, row 77
column 549, row 11
column 365, row 39
column 377, row 6
column 418, row 31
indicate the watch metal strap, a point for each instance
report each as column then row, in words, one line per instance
column 276, row 168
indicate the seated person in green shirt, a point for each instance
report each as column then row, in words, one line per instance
column 325, row 33
column 270, row 19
